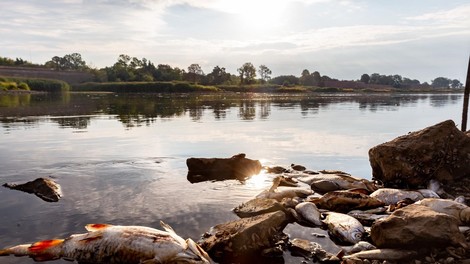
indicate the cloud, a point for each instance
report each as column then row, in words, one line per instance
column 455, row 17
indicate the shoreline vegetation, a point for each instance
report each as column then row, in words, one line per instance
column 15, row 85
column 134, row 75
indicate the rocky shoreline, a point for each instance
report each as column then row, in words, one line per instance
column 414, row 210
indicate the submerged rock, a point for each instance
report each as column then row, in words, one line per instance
column 207, row 169
column 44, row 188
column 416, row 226
column 438, row 152
column 246, row 236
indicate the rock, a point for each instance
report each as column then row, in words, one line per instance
column 246, row 236
column 416, row 226
column 308, row 249
column 440, row 152
column 44, row 188
column 298, row 167
column 257, row 206
column 237, row 167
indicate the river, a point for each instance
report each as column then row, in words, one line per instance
column 120, row 159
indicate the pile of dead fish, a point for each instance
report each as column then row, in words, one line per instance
column 367, row 222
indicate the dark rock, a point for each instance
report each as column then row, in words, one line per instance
column 237, row 167
column 297, row 167
column 416, row 226
column 440, row 152
column 44, row 188
column 257, row 206
column 308, row 249
column 246, row 236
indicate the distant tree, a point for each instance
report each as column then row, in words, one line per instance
column 306, row 78
column 456, row 84
column 441, row 82
column 195, row 73
column 265, row 73
column 285, row 80
column 365, row 78
column 247, row 73
column 317, row 81
column 218, row 76
column 72, row 61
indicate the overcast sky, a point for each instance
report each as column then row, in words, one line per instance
column 420, row 39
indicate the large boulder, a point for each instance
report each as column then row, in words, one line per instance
column 246, row 236
column 440, row 152
column 237, row 167
column 417, row 226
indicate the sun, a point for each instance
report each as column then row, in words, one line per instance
column 257, row 16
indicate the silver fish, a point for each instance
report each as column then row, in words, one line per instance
column 309, row 212
column 116, row 244
column 331, row 182
column 288, row 192
column 392, row 196
column 346, row 228
column 358, row 247
column 382, row 254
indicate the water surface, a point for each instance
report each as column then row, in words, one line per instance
column 121, row 159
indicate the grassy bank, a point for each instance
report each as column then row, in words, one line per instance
column 185, row 87
column 26, row 84
column 143, row 87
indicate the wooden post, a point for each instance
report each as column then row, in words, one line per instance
column 465, row 99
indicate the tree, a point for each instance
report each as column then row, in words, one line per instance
column 247, row 73
column 218, row 76
column 441, row 82
column 365, row 78
column 264, row 73
column 285, row 80
column 195, row 73
column 306, row 78
column 456, row 84
column 317, row 81
column 72, row 61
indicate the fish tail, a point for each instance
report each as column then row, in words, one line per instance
column 20, row 250
column 40, row 251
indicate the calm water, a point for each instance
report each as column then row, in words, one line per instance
column 121, row 159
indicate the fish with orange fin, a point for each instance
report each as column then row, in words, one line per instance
column 116, row 244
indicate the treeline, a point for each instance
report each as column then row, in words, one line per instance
column 132, row 69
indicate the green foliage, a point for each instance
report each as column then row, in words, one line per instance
column 285, row 80
column 145, row 87
column 328, row 90
column 247, row 73
column 43, row 85
column 295, row 89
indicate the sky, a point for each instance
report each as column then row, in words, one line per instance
column 418, row 39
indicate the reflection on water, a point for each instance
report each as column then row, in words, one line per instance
column 121, row 159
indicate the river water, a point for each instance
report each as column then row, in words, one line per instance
column 120, row 159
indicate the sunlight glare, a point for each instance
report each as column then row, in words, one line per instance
column 257, row 16
column 259, row 181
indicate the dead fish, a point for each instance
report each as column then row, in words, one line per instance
column 344, row 227
column 366, row 219
column 309, row 212
column 344, row 201
column 449, row 207
column 435, row 185
column 427, row 193
column 116, row 244
column 383, row 254
column 44, row 188
column 278, row 195
column 331, row 182
column 392, row 196
column 358, row 247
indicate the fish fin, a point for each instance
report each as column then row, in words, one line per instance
column 167, row 227
column 96, row 227
column 44, row 245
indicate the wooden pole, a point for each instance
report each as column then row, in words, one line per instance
column 465, row 99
